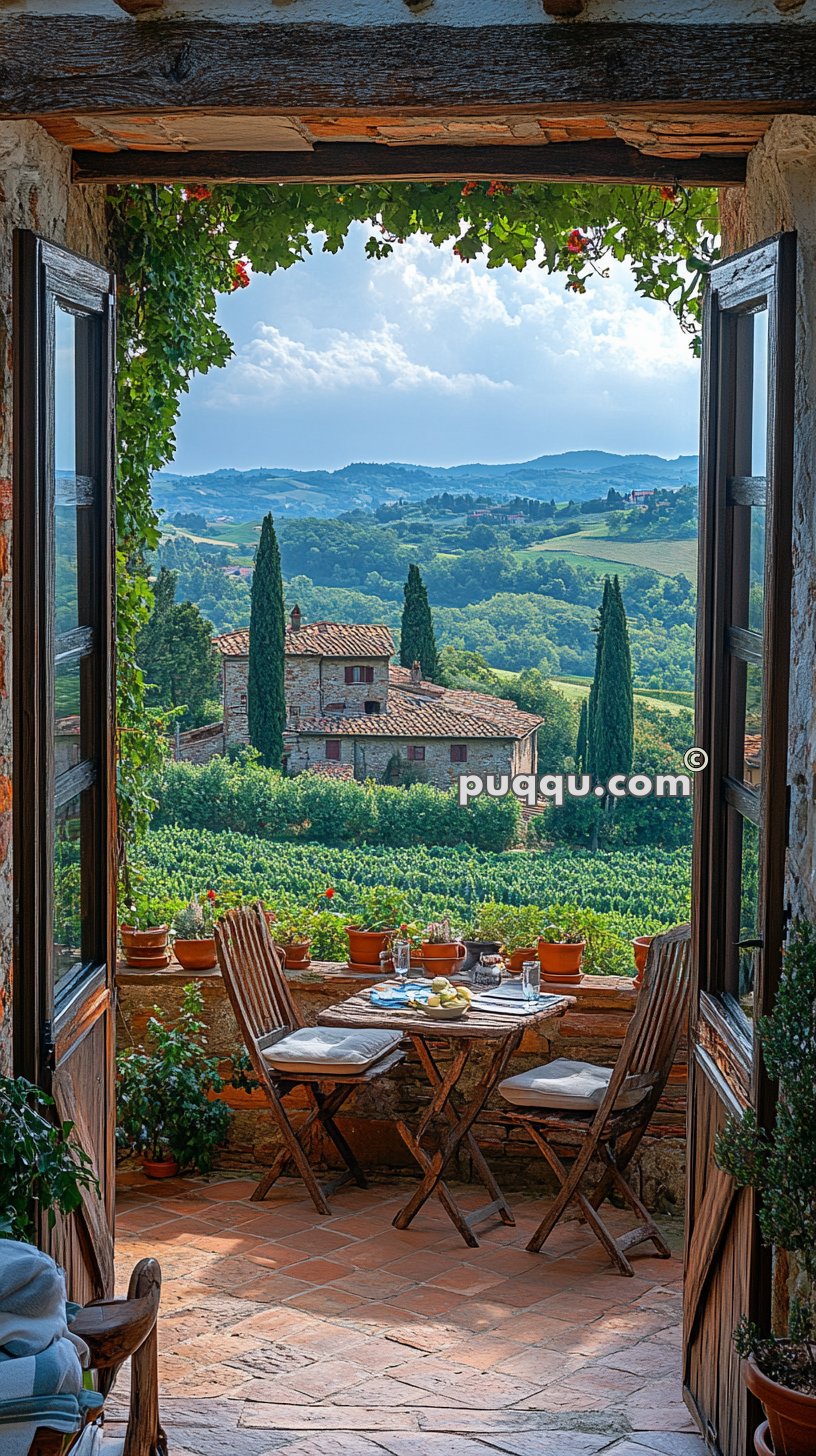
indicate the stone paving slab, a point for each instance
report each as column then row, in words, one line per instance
column 282, row 1331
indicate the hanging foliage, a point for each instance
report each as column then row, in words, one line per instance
column 177, row 249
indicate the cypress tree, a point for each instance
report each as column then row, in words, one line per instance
column 581, row 745
column 417, row 639
column 603, row 612
column 266, row 704
column 612, row 722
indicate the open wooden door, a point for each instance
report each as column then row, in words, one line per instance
column 741, row 807
column 64, row 816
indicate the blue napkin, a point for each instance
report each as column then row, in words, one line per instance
column 394, row 997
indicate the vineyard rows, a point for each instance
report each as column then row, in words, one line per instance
column 644, row 889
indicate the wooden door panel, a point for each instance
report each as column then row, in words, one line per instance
column 717, row 1283
column 64, row 672
column 739, row 826
column 82, row 1087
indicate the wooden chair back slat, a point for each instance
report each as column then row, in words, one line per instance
column 651, row 1040
column 253, row 976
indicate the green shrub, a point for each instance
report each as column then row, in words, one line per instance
column 39, row 1168
column 241, row 795
column 163, row 1092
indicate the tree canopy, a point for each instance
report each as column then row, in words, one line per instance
column 417, row 640
column 176, row 654
column 266, row 703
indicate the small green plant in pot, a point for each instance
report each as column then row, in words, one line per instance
column 193, row 925
column 40, row 1169
column 561, row 946
column 144, row 930
column 166, row 1115
column 780, row 1164
column 441, row 950
column 381, row 909
column 291, row 933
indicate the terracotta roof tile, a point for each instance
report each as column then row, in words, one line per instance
column 320, row 639
column 451, row 715
column 752, row 750
column 331, row 770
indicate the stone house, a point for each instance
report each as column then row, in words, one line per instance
column 352, row 713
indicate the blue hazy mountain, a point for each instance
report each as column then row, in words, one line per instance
column 244, row 495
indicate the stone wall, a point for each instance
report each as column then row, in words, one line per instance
column 370, row 756
column 234, row 680
column 592, row 1031
column 35, row 193
column 199, row 745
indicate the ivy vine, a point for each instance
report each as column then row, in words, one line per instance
column 177, row 249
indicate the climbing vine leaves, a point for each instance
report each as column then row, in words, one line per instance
column 176, row 250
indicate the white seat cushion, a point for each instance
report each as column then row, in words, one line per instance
column 329, row 1049
column 566, row 1086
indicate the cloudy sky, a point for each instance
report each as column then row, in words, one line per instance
column 422, row 358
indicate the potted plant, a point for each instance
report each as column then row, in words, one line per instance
column 194, row 943
column 560, row 951
column 485, row 937
column 40, row 1169
column 780, row 1165
column 441, row 950
column 640, row 950
column 290, row 934
column 167, row 1115
column 144, row 931
column 382, row 909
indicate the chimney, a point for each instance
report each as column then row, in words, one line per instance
column 416, row 674
column 295, row 618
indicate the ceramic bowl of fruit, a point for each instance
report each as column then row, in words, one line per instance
column 446, row 1002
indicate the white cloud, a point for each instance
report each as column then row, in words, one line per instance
column 421, row 357
column 275, row 363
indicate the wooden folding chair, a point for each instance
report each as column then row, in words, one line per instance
column 613, row 1133
column 266, row 1012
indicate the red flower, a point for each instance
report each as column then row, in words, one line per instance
column 669, row 194
column 240, row 274
column 211, row 896
column 329, row 893
column 197, row 193
column 499, row 189
column 576, row 242
column 468, row 188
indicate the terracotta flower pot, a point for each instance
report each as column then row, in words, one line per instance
column 365, row 946
column 196, row 955
column 442, row 958
column 145, row 949
column 791, row 1415
column 166, row 1168
column 640, row 950
column 560, row 960
column 296, row 955
column 516, row 958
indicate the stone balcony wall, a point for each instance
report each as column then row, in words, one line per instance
column 592, row 1031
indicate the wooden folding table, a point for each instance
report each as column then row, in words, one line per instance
column 504, row 1032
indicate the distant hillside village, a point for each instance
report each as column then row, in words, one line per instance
column 351, row 713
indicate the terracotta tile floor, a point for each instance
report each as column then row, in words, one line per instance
column 283, row 1331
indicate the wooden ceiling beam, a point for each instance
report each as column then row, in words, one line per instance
column 591, row 161
column 84, row 64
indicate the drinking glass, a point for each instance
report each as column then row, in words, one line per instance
column 531, row 980
column 401, row 955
